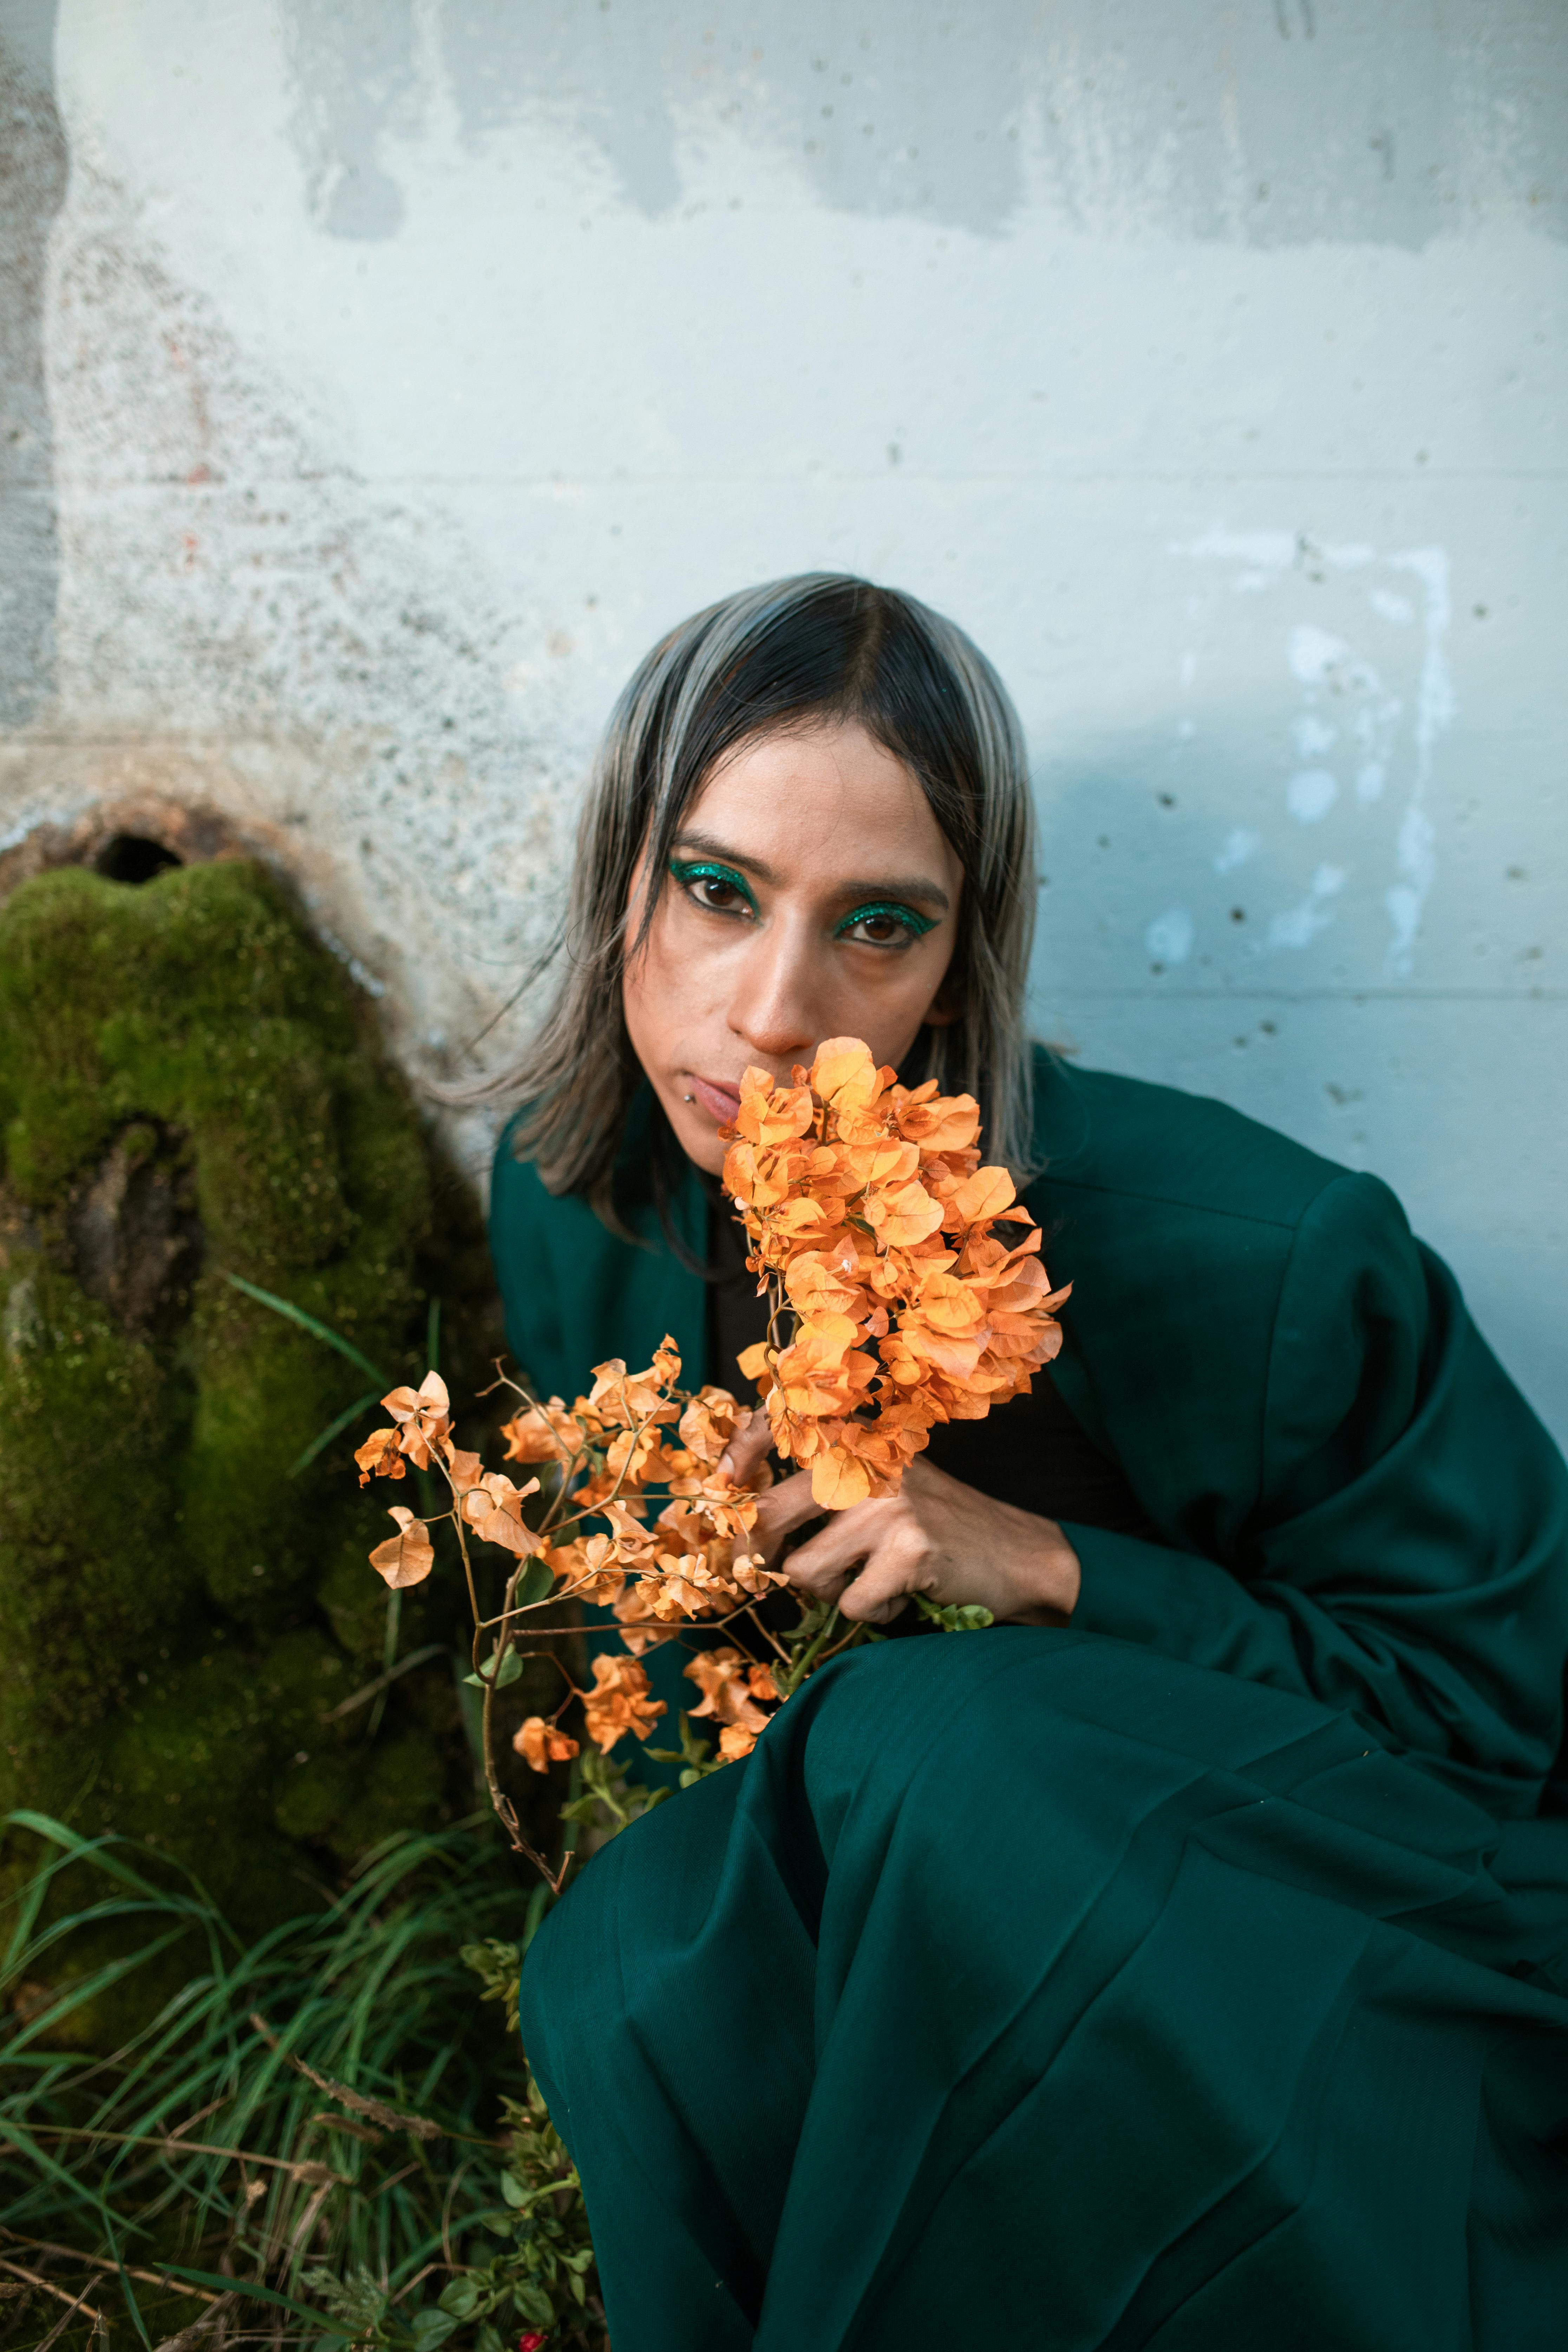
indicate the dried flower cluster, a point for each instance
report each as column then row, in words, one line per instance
column 865, row 1204
column 894, row 1304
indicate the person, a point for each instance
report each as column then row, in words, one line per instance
column 1183, row 1962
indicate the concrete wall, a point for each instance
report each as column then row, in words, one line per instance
column 381, row 375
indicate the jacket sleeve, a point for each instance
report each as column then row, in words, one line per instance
column 1406, row 1549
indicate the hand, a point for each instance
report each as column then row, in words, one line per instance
column 935, row 1535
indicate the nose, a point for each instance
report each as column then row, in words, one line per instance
column 774, row 1007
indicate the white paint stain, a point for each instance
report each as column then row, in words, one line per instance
column 1169, row 937
column 1298, row 925
column 1240, row 844
column 1314, row 653
column 1435, row 707
column 1271, row 549
column 1310, row 794
column 1346, row 703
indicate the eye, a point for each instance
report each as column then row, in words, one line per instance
column 888, row 924
column 718, row 887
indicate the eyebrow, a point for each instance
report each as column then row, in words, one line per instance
column 916, row 886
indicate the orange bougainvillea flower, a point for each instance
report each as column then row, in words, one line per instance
column 539, row 1744
column 590, row 1569
column 542, row 1432
column 619, row 1703
column 905, row 1288
column 493, row 1509
column 407, row 1557
column 381, row 1456
column 877, row 1221
column 423, row 1418
column 735, row 1689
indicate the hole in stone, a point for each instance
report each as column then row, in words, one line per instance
column 132, row 858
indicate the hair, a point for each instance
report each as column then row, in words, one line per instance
column 820, row 646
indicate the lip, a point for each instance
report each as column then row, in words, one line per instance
column 721, row 1102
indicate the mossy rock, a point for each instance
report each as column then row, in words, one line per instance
column 189, row 1089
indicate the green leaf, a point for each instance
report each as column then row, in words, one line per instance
column 966, row 1617
column 536, row 1584
column 513, row 2189
column 459, row 2299
column 538, row 1902
column 333, row 1429
column 322, row 1332
column 533, row 2304
column 432, row 2328
column 511, row 1668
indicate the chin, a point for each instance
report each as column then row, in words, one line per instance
column 696, row 1135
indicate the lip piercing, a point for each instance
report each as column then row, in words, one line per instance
column 689, row 1098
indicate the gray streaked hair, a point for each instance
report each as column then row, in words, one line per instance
column 821, row 645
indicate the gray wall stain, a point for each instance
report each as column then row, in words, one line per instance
column 32, row 168
column 614, row 67
column 353, row 76
column 1269, row 122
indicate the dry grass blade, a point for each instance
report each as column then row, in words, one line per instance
column 307, row 2172
column 107, row 2262
column 189, row 2337
column 73, row 2302
column 365, row 2133
column 377, row 2110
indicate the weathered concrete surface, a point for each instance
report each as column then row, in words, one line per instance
column 389, row 372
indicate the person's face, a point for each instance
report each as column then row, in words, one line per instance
column 811, row 894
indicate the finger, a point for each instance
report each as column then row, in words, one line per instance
column 780, row 1511
column 849, row 1539
column 880, row 1592
column 747, row 1448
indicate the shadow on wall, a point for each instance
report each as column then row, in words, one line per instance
column 1162, row 862
column 1251, row 961
column 1278, row 123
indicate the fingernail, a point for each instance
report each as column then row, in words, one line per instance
column 726, row 1465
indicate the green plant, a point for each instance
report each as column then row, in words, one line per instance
column 325, row 2135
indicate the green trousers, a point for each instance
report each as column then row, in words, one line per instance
column 1024, row 1988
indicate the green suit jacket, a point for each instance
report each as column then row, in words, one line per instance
column 1353, row 1501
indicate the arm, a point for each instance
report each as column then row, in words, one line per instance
column 1405, row 1554
column 1408, row 1554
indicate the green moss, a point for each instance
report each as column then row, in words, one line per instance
column 189, row 1087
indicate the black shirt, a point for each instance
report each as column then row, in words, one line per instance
column 1030, row 1452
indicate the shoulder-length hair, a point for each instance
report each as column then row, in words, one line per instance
column 820, row 646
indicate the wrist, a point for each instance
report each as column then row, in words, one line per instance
column 1050, row 1577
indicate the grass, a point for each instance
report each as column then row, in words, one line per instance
column 324, row 2138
